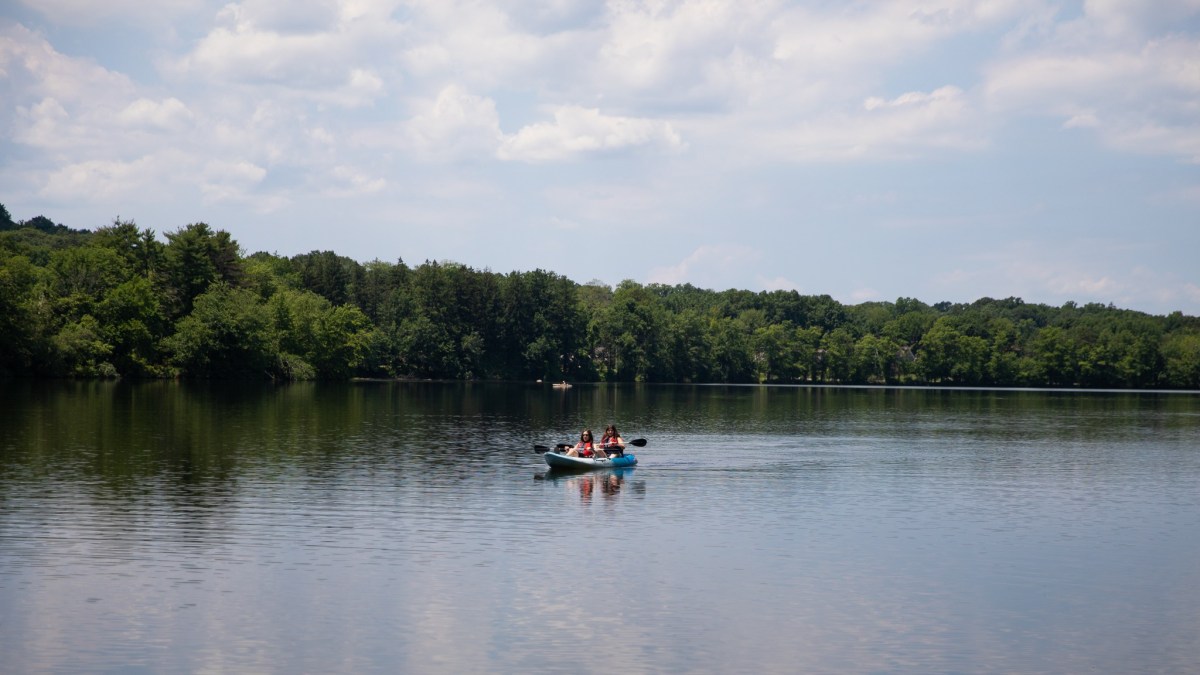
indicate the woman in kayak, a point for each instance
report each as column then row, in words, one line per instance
column 586, row 447
column 611, row 442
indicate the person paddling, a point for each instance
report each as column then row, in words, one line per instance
column 586, row 447
column 611, row 442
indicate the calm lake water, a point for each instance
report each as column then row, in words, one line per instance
column 411, row 528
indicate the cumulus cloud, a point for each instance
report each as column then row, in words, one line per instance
column 651, row 46
column 346, row 181
column 169, row 114
column 912, row 124
column 455, row 125
column 317, row 50
column 477, row 44
column 243, row 53
column 33, row 68
column 101, row 179
column 260, row 104
column 576, row 131
column 230, row 180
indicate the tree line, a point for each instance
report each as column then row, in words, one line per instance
column 120, row 302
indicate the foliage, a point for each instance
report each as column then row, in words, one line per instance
column 120, row 302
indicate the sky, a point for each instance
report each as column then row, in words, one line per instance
column 943, row 150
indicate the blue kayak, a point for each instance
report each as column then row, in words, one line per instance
column 560, row 461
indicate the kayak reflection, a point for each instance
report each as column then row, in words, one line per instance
column 609, row 484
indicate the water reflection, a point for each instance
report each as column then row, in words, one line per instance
column 606, row 484
column 384, row 527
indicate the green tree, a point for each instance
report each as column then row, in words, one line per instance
column 807, row 353
column 687, row 346
column 6, row 221
column 629, row 334
column 140, row 252
column 18, row 337
column 874, row 360
column 327, row 274
column 131, row 321
column 426, row 348
column 194, row 259
column 229, row 334
column 772, row 352
column 82, row 276
column 731, row 353
column 1181, row 356
column 909, row 327
column 344, row 335
column 1053, row 358
column 81, row 350
column 837, row 354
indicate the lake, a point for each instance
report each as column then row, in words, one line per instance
column 392, row 527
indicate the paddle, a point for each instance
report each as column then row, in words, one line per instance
column 542, row 449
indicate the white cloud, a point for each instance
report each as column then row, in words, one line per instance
column 652, row 45
column 578, row 131
column 455, row 125
column 232, row 181
column 1136, row 18
column 709, row 266
column 912, row 124
column 246, row 54
column 345, row 181
column 477, row 44
column 650, row 115
column 317, row 51
column 169, row 114
column 295, row 16
column 31, row 64
column 103, row 180
column 869, row 35
column 1139, row 93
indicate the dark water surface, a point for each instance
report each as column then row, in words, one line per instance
column 409, row 527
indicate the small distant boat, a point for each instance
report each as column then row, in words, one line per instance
column 561, row 385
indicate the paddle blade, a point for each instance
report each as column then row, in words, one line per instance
column 541, row 449
column 640, row 442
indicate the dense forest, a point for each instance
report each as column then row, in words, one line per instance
column 119, row 302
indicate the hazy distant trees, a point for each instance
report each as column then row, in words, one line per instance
column 120, row 302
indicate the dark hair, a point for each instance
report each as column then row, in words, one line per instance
column 613, row 427
column 586, row 432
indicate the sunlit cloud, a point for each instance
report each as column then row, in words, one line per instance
column 578, row 131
